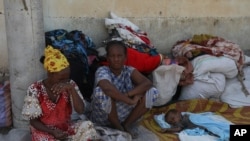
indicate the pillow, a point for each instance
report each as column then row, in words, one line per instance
column 160, row 120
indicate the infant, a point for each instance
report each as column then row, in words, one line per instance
column 178, row 121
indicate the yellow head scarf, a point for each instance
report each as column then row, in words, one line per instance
column 54, row 60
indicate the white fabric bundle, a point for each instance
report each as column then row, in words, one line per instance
column 166, row 79
column 233, row 94
column 115, row 20
column 120, row 25
column 205, row 64
column 210, row 73
column 204, row 89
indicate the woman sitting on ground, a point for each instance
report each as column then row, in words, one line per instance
column 49, row 103
column 122, row 94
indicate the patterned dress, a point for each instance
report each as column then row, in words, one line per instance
column 101, row 103
column 54, row 115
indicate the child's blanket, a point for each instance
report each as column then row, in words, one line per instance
column 235, row 115
column 213, row 123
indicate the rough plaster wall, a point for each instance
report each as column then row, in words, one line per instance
column 165, row 21
column 164, row 32
column 149, row 8
column 3, row 43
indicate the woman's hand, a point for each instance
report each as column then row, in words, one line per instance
column 69, row 88
column 58, row 134
column 136, row 99
column 61, row 87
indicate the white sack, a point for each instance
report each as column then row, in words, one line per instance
column 166, row 79
column 210, row 73
column 207, row 64
column 247, row 60
column 213, row 88
column 233, row 94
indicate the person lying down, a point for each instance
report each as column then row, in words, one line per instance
column 194, row 124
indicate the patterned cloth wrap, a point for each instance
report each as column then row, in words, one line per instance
column 101, row 103
column 38, row 105
column 54, row 60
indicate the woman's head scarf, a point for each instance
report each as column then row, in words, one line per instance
column 54, row 60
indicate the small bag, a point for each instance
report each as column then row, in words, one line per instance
column 166, row 79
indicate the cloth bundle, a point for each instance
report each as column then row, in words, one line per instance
column 5, row 105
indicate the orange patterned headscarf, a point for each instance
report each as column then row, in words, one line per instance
column 54, row 60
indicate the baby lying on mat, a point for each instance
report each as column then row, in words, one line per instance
column 194, row 124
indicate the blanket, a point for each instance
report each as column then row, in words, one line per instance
column 215, row 124
column 235, row 115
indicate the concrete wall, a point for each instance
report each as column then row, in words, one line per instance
column 165, row 21
column 25, row 42
column 3, row 43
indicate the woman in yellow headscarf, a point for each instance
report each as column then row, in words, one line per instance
column 50, row 102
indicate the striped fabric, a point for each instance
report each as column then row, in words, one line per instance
column 101, row 103
column 235, row 115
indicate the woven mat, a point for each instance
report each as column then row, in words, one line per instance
column 235, row 115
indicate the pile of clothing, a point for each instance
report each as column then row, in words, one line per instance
column 215, row 61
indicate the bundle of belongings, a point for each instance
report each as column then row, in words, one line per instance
column 215, row 61
column 5, row 103
column 81, row 52
column 142, row 55
column 129, row 33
